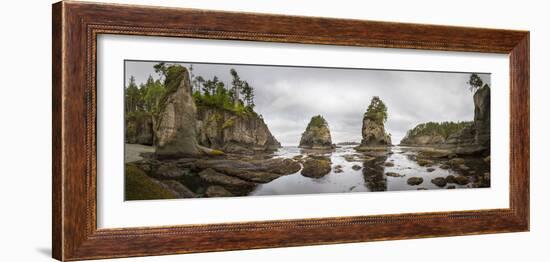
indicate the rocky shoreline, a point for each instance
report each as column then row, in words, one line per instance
column 204, row 151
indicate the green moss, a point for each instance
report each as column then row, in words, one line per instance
column 216, row 152
column 228, row 123
column 138, row 186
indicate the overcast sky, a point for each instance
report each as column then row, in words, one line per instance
column 288, row 97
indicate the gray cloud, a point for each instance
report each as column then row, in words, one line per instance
column 288, row 97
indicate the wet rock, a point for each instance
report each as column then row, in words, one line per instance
column 179, row 189
column 463, row 167
column 421, row 188
column 278, row 165
column 424, row 162
column 435, row 153
column 232, row 184
column 451, row 187
column 456, row 161
column 393, row 174
column 358, row 158
column 439, row 181
column 430, row 169
column 444, row 166
column 413, row 181
column 170, row 170
column 217, row 191
column 450, row 179
column 316, row 168
column 259, row 170
column 356, row 167
column 487, row 159
column 389, row 164
column 461, row 180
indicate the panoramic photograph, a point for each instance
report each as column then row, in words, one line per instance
column 202, row 130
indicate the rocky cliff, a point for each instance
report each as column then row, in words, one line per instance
column 183, row 129
column 234, row 133
column 316, row 135
column 472, row 138
column 139, row 128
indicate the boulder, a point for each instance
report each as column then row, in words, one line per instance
column 316, row 135
column 430, row 169
column 356, row 167
column 413, row 181
column 316, row 167
column 461, row 180
column 424, row 162
column 439, row 181
column 450, row 179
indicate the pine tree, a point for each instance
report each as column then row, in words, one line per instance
column 377, row 110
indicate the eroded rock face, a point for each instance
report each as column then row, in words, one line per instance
column 176, row 128
column 139, row 129
column 232, row 133
column 374, row 134
column 482, row 116
column 317, row 135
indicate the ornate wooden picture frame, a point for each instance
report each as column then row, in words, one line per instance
column 76, row 26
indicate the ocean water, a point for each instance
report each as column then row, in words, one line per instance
column 368, row 179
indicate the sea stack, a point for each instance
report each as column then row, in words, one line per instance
column 373, row 131
column 317, row 135
column 176, row 128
